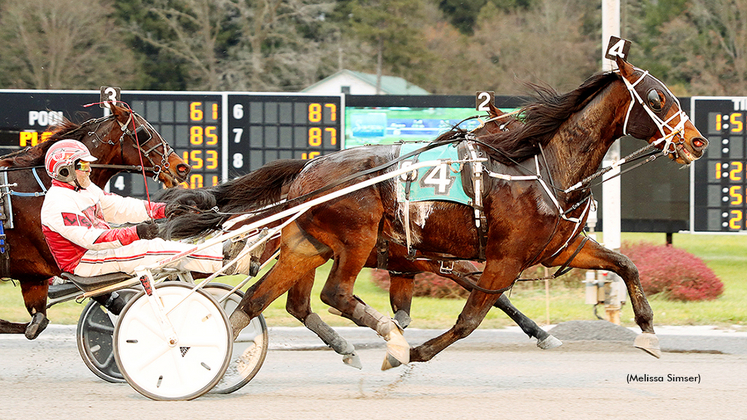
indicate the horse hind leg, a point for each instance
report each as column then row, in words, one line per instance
column 545, row 341
column 338, row 293
column 35, row 297
column 298, row 255
column 299, row 305
column 398, row 350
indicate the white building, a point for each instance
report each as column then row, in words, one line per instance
column 357, row 83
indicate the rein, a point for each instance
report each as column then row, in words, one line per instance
column 293, row 201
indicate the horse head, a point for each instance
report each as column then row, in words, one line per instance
column 158, row 157
column 655, row 115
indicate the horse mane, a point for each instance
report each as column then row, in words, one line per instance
column 34, row 155
column 454, row 133
column 542, row 118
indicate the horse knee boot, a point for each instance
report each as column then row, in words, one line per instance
column 238, row 320
column 332, row 339
column 398, row 350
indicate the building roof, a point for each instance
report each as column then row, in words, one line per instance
column 390, row 85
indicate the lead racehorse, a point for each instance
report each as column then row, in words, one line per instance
column 265, row 186
column 122, row 141
column 535, row 208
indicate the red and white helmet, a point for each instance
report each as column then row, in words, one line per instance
column 62, row 156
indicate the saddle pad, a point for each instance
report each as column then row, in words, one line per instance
column 440, row 182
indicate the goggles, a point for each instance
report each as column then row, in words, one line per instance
column 82, row 165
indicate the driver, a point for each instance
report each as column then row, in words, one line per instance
column 76, row 217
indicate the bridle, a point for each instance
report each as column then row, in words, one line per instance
column 669, row 147
column 140, row 137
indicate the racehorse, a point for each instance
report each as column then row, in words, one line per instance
column 535, row 207
column 122, row 141
column 265, row 185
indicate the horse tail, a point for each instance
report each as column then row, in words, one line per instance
column 181, row 200
column 191, row 225
column 262, row 187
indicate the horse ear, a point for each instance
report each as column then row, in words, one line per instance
column 626, row 69
column 120, row 113
column 493, row 111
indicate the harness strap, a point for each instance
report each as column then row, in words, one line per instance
column 33, row 194
column 4, row 253
column 478, row 184
column 565, row 267
column 409, row 177
column 382, row 249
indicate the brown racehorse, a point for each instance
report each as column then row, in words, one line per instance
column 535, row 208
column 242, row 194
column 113, row 141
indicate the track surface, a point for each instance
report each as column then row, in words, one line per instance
column 492, row 375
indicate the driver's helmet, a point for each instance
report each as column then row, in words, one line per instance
column 61, row 159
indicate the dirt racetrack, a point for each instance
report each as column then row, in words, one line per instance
column 478, row 379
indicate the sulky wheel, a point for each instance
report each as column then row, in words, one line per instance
column 249, row 350
column 94, row 338
column 186, row 368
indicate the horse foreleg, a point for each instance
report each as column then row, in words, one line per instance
column 463, row 270
column 496, row 276
column 299, row 305
column 594, row 256
column 401, row 292
column 35, row 297
column 7, row 327
column 477, row 306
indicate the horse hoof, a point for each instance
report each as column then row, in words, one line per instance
column 397, row 347
column 550, row 342
column 649, row 343
column 352, row 360
column 38, row 323
column 390, row 362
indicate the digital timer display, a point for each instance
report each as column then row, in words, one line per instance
column 220, row 135
column 720, row 177
column 192, row 125
column 263, row 128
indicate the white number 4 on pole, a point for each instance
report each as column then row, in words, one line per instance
column 618, row 47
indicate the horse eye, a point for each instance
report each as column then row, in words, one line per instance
column 655, row 99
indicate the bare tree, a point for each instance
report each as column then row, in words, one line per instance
column 543, row 44
column 191, row 29
column 240, row 45
column 61, row 44
column 719, row 51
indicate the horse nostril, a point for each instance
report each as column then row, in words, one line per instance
column 700, row 143
column 183, row 169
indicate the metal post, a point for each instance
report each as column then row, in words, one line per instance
column 611, row 188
